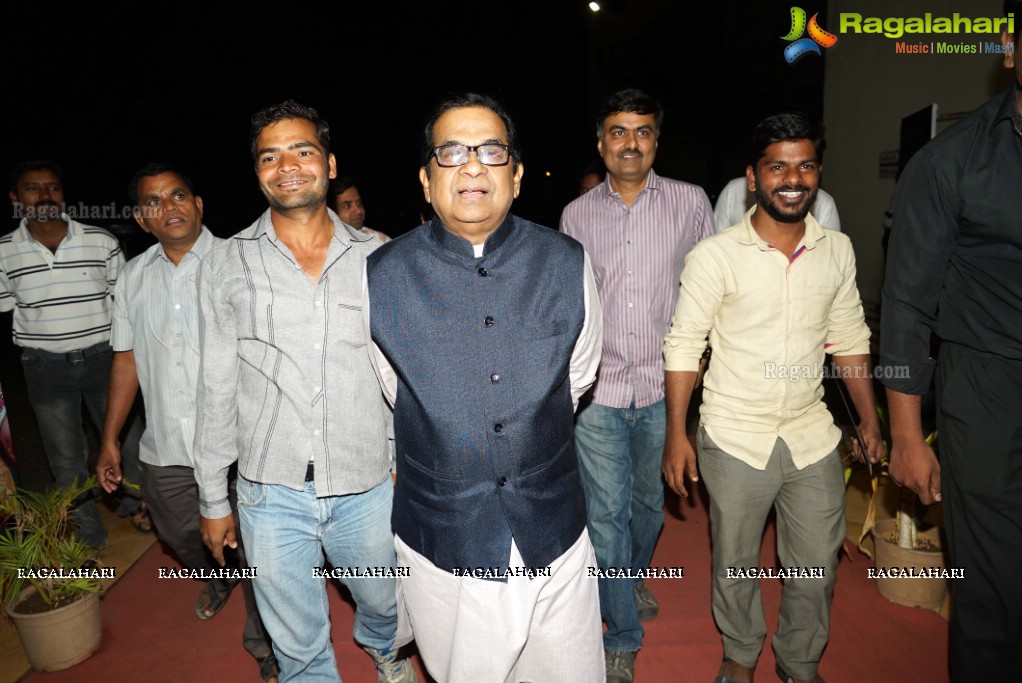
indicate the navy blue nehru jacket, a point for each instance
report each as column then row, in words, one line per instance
column 483, row 419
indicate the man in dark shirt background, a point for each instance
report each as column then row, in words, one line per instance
column 955, row 269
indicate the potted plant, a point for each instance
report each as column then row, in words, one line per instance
column 49, row 580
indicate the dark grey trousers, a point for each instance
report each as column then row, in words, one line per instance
column 810, row 506
column 173, row 499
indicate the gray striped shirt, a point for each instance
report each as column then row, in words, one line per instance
column 285, row 375
column 61, row 301
column 637, row 253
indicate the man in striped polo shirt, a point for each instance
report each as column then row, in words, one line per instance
column 58, row 276
column 637, row 227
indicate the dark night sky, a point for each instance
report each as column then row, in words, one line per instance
column 102, row 94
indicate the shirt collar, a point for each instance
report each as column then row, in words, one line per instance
column 1008, row 109
column 461, row 246
column 747, row 234
column 202, row 245
column 1016, row 114
column 652, row 181
column 343, row 233
column 342, row 229
column 814, row 232
column 22, row 234
column 606, row 191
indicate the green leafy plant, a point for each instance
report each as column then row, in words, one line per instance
column 38, row 533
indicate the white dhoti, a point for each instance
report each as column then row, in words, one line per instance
column 545, row 629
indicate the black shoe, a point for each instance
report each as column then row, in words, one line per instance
column 730, row 667
column 645, row 603
column 268, row 668
column 787, row 678
column 620, row 666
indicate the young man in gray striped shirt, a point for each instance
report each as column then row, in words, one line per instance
column 286, row 390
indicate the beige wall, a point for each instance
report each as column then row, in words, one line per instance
column 868, row 88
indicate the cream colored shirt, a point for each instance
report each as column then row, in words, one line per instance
column 770, row 322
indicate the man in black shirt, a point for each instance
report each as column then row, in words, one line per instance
column 955, row 269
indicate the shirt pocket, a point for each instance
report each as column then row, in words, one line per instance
column 821, row 300
column 348, row 322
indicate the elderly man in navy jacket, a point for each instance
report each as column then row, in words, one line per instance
column 488, row 330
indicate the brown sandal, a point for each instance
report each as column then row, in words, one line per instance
column 269, row 672
column 212, row 598
column 141, row 519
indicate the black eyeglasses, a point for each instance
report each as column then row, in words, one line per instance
column 488, row 154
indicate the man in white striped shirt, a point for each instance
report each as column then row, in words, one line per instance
column 155, row 339
column 58, row 276
column 637, row 228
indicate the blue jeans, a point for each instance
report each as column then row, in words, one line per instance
column 57, row 387
column 286, row 534
column 619, row 455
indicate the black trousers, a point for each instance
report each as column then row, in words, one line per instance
column 979, row 426
column 173, row 499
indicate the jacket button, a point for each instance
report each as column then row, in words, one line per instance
column 488, row 321
column 494, row 378
column 502, row 481
column 482, row 272
column 498, row 428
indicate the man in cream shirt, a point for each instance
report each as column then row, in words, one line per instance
column 773, row 294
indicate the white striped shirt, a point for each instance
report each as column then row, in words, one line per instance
column 156, row 316
column 61, row 301
column 637, row 253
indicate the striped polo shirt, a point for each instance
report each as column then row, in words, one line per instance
column 62, row 301
column 637, row 253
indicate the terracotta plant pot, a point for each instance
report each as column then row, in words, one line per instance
column 60, row 638
column 927, row 593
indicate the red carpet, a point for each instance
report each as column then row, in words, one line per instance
column 151, row 635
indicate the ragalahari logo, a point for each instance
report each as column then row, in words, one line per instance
column 800, row 46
